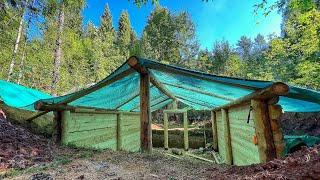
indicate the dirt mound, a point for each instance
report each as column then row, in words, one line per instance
column 303, row 164
column 301, row 124
column 20, row 149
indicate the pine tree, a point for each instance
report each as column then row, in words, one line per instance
column 146, row 49
column 124, row 33
column 107, row 51
column 172, row 37
column 106, row 27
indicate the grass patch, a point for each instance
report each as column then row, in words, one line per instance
column 18, row 172
column 58, row 162
column 86, row 155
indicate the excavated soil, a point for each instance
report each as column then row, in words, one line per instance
column 20, row 149
column 303, row 164
column 301, row 124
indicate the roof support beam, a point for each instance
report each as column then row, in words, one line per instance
column 276, row 89
column 136, row 65
column 162, row 88
column 191, row 74
column 200, row 92
column 145, row 105
column 202, row 76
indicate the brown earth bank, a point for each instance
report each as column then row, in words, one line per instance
column 303, row 164
column 20, row 148
column 301, row 124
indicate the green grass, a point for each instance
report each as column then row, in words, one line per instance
column 58, row 162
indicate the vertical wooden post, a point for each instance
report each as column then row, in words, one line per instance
column 56, row 125
column 227, row 135
column 275, row 113
column 65, row 118
column 185, row 135
column 174, row 105
column 214, row 130
column 166, row 134
column 145, row 113
column 263, row 130
column 119, row 133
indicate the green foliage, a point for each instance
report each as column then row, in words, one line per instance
column 139, row 3
column 170, row 37
column 124, row 33
column 295, row 58
column 90, row 52
column 106, row 27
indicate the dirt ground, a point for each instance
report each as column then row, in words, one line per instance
column 84, row 164
column 24, row 155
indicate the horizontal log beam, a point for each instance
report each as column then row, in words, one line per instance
column 172, row 111
column 276, row 89
column 42, row 106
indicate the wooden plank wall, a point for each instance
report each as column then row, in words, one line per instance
column 130, row 132
column 221, row 135
column 244, row 150
column 101, row 131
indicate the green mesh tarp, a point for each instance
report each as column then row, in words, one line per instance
column 19, row 96
column 202, row 91
column 293, row 143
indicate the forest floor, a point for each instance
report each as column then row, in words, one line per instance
column 24, row 155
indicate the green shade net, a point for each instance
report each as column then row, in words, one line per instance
column 19, row 96
column 294, row 143
column 120, row 91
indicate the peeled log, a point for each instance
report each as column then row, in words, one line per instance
column 274, row 90
column 275, row 111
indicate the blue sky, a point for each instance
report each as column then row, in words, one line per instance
column 215, row 20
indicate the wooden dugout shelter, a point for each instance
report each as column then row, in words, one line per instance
column 116, row 112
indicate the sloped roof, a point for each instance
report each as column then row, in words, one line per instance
column 120, row 90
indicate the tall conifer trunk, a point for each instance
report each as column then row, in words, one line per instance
column 58, row 52
column 25, row 46
column 16, row 45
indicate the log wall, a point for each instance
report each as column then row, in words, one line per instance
column 242, row 133
column 244, row 149
column 221, row 133
column 98, row 130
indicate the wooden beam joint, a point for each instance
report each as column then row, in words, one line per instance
column 134, row 63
